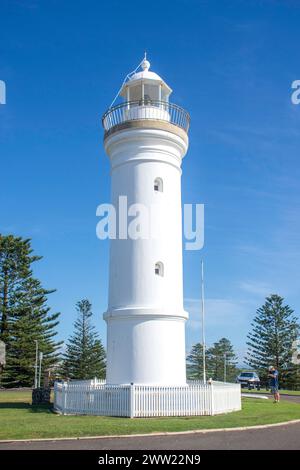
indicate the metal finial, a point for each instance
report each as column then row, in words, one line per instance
column 145, row 63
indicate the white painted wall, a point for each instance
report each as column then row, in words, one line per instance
column 145, row 316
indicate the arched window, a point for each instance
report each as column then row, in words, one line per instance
column 159, row 268
column 158, row 185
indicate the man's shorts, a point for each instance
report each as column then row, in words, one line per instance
column 274, row 389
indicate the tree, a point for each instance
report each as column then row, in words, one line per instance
column 215, row 361
column 194, row 364
column 85, row 355
column 274, row 329
column 15, row 266
column 32, row 321
column 222, row 361
column 25, row 316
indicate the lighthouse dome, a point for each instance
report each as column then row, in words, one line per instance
column 145, row 74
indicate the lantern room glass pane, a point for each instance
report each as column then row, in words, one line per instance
column 135, row 92
column 164, row 95
column 151, row 93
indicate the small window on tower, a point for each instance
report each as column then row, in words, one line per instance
column 159, row 269
column 158, row 185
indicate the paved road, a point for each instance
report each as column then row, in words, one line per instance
column 279, row 437
column 282, row 437
column 292, row 398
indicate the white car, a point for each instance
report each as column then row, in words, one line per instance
column 249, row 380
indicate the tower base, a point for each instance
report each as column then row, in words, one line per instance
column 146, row 348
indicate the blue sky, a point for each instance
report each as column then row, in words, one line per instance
column 231, row 65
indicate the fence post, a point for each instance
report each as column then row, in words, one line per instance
column 131, row 400
column 212, row 400
column 55, row 396
column 64, row 400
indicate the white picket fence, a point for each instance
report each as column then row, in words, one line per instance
column 97, row 398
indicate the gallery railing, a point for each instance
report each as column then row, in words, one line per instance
column 146, row 109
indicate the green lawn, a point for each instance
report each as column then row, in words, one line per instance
column 263, row 390
column 19, row 420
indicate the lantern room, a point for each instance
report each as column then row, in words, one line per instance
column 145, row 87
column 145, row 97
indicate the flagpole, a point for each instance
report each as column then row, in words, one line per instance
column 203, row 323
column 36, row 363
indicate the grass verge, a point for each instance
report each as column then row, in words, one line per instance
column 263, row 391
column 20, row 420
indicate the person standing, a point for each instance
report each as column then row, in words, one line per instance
column 273, row 375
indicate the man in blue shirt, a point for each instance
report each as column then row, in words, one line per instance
column 273, row 374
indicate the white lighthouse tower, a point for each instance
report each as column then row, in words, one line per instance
column 146, row 140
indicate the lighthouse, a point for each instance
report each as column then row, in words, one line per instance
column 146, row 138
